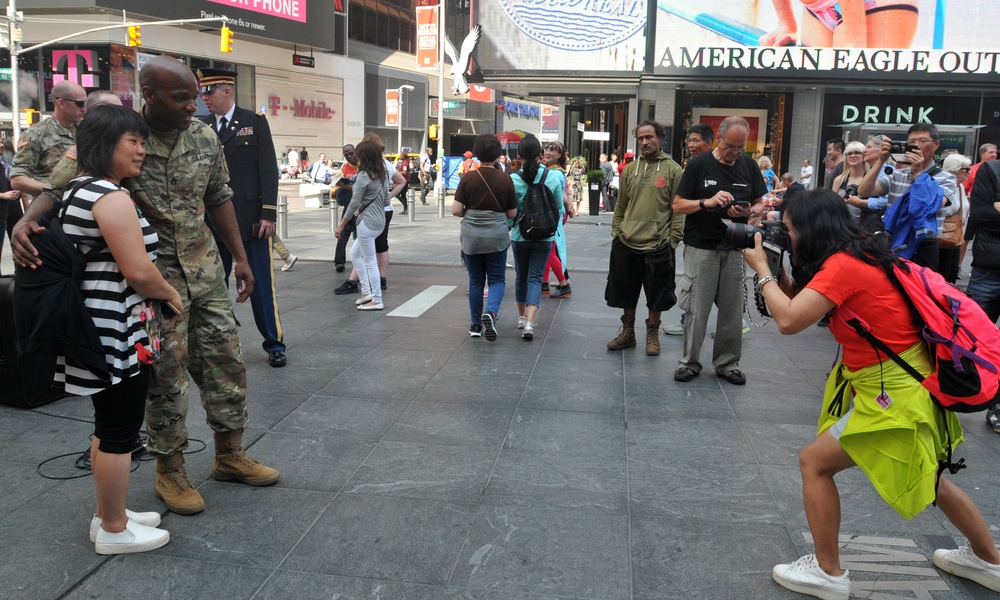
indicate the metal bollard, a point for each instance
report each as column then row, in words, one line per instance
column 283, row 217
column 442, row 194
column 411, row 206
column 334, row 215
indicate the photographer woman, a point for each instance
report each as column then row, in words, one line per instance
column 889, row 425
column 846, row 184
column 103, row 223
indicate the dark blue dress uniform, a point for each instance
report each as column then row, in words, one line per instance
column 253, row 177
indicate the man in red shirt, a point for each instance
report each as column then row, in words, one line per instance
column 987, row 152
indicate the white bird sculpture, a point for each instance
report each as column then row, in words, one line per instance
column 460, row 61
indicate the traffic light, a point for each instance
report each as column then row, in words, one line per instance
column 31, row 116
column 226, row 42
column 134, row 36
column 432, row 131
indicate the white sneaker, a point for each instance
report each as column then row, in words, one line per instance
column 529, row 331
column 675, row 329
column 964, row 563
column 371, row 306
column 521, row 321
column 149, row 519
column 806, row 577
column 289, row 262
column 134, row 538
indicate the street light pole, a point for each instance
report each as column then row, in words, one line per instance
column 442, row 31
column 399, row 114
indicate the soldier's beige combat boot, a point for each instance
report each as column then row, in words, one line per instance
column 626, row 335
column 232, row 463
column 652, row 338
column 173, row 486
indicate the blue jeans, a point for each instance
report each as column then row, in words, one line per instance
column 984, row 288
column 529, row 263
column 482, row 267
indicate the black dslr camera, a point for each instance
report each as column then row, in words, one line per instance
column 901, row 147
column 774, row 236
column 851, row 190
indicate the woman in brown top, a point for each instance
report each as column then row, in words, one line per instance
column 486, row 202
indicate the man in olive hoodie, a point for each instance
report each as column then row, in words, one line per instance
column 641, row 256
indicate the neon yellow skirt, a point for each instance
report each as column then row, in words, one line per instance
column 896, row 440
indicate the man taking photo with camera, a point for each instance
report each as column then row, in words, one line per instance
column 924, row 214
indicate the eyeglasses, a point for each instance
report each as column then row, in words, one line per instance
column 915, row 142
column 78, row 103
column 855, row 153
column 726, row 146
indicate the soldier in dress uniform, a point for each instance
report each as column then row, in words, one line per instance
column 253, row 172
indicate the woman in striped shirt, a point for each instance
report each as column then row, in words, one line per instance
column 103, row 222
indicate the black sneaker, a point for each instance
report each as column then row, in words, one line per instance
column 348, row 287
column 545, row 287
column 475, row 330
column 489, row 327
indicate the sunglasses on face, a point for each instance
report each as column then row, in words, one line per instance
column 78, row 103
column 552, row 148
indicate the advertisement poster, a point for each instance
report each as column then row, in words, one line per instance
column 391, row 108
column 561, row 35
column 854, row 39
column 427, row 37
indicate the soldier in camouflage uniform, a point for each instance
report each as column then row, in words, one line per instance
column 42, row 145
column 183, row 179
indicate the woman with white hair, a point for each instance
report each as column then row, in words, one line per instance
column 770, row 179
column 951, row 257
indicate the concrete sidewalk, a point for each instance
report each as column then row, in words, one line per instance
column 420, row 464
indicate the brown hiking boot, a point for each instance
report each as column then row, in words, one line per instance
column 652, row 338
column 626, row 335
column 173, row 486
column 233, row 464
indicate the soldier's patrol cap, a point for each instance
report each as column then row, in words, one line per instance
column 209, row 78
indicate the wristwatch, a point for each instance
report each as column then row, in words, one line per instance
column 701, row 204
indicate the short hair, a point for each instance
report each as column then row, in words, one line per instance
column 604, row 157
column 986, row 147
column 837, row 144
column 733, row 121
column 704, row 132
column 855, row 147
column 658, row 130
column 487, row 147
column 953, row 162
column 928, row 128
column 96, row 98
column 787, row 177
column 98, row 134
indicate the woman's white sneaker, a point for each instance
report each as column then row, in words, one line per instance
column 963, row 562
column 149, row 519
column 134, row 538
column 806, row 577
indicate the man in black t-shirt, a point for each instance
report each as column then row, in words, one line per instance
column 722, row 184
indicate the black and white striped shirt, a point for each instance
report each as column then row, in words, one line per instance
column 117, row 309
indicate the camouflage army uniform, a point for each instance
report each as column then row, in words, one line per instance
column 40, row 148
column 178, row 180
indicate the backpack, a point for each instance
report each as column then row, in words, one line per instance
column 964, row 344
column 539, row 217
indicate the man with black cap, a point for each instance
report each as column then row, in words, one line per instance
column 250, row 155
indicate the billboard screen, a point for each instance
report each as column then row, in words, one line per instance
column 873, row 40
column 561, row 35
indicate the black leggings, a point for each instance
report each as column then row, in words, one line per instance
column 118, row 413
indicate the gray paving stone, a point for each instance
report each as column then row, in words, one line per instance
column 379, row 537
column 157, row 576
column 575, row 385
column 565, row 553
column 364, row 418
column 30, row 570
column 312, row 462
column 452, row 425
column 389, row 374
